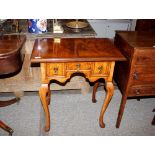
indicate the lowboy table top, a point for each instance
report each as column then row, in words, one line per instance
column 75, row 49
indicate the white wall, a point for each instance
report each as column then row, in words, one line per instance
column 105, row 28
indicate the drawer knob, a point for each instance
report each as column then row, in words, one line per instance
column 100, row 68
column 55, row 70
column 78, row 66
column 135, row 76
column 137, row 92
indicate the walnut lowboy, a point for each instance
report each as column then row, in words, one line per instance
column 59, row 60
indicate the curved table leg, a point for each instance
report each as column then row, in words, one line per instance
column 109, row 94
column 43, row 93
column 6, row 128
column 49, row 95
column 94, row 92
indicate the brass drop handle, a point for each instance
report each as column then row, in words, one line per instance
column 78, row 66
column 135, row 76
column 137, row 92
column 100, row 68
column 55, row 70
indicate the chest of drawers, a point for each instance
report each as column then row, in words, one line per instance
column 136, row 76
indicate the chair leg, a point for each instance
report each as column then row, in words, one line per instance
column 9, row 102
column 6, row 128
column 4, row 104
column 153, row 121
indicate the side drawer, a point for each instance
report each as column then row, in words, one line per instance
column 148, row 90
column 55, row 69
column 101, row 68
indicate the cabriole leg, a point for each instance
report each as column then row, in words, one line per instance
column 43, row 93
column 109, row 94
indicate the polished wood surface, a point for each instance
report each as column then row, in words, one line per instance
column 136, row 76
column 75, row 49
column 10, row 56
column 62, row 59
column 11, row 62
column 145, row 25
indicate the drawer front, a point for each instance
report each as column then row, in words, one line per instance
column 55, row 69
column 143, row 75
column 79, row 66
column 142, row 91
column 101, row 68
column 145, row 57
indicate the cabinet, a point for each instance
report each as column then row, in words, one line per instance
column 136, row 76
column 105, row 28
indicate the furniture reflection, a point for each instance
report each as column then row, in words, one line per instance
column 61, row 59
column 11, row 63
column 136, row 76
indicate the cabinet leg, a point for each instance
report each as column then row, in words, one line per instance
column 110, row 89
column 94, row 92
column 43, row 93
column 121, row 110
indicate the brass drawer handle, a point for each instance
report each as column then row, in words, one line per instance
column 55, row 70
column 137, row 92
column 135, row 76
column 100, row 68
column 78, row 66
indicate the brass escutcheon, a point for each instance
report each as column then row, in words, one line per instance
column 55, row 70
column 100, row 68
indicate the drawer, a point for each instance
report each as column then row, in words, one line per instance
column 145, row 57
column 142, row 91
column 79, row 66
column 142, row 75
column 101, row 68
column 55, row 69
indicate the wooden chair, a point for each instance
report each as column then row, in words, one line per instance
column 11, row 63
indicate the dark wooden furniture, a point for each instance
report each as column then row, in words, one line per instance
column 60, row 59
column 10, row 64
column 136, row 76
column 145, row 25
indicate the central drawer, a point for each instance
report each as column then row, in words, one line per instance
column 79, row 66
